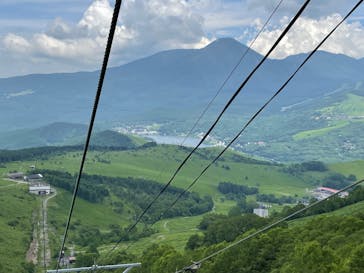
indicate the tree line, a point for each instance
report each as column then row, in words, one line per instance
column 47, row 151
column 135, row 191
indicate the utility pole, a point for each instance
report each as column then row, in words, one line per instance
column 127, row 267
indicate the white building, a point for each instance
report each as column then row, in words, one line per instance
column 39, row 188
column 261, row 212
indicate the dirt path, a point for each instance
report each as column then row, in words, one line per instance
column 165, row 226
column 16, row 181
column 46, row 252
column 32, row 253
column 40, row 240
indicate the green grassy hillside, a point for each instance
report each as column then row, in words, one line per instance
column 356, row 208
column 156, row 163
column 18, row 214
column 326, row 128
column 352, row 167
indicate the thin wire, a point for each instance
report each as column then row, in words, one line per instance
column 218, row 118
column 224, row 83
column 232, row 72
column 270, row 226
column 218, row 92
column 262, row 108
column 288, row 27
column 92, row 120
column 303, row 209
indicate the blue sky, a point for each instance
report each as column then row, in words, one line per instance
column 42, row 36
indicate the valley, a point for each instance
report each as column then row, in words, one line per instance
column 328, row 106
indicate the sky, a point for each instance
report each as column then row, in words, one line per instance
column 46, row 36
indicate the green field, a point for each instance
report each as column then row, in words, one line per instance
column 320, row 132
column 352, row 106
column 174, row 232
column 157, row 163
column 17, row 216
column 354, row 167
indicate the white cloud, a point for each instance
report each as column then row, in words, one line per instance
column 307, row 33
column 149, row 26
column 145, row 27
column 17, row 43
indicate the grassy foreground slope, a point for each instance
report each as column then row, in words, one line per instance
column 17, row 216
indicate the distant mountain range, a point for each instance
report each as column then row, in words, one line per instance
column 171, row 85
column 171, row 88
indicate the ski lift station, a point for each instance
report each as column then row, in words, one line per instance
column 39, row 188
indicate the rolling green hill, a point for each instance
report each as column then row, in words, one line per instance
column 62, row 133
column 156, row 163
column 101, row 218
column 18, row 216
column 326, row 129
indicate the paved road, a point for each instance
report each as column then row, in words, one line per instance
column 46, row 253
column 32, row 253
column 16, row 181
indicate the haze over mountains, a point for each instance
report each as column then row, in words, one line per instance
column 175, row 81
column 172, row 86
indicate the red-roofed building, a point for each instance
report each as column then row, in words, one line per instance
column 324, row 192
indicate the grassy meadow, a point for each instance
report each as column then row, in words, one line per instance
column 154, row 163
column 17, row 216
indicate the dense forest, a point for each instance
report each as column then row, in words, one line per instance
column 314, row 247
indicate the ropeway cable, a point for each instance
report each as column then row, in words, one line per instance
column 92, row 120
column 197, row 264
column 298, row 14
column 262, row 108
column 284, row 32
column 231, row 72
column 303, row 209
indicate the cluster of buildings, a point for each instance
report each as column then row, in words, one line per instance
column 324, row 192
column 319, row 193
column 35, row 181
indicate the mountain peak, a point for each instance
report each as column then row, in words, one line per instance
column 226, row 43
column 230, row 46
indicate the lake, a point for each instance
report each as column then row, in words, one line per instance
column 176, row 140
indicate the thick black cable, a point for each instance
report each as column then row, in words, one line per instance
column 222, row 86
column 254, row 116
column 288, row 27
column 262, row 108
column 231, row 72
column 185, row 269
column 92, row 120
column 298, row 14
